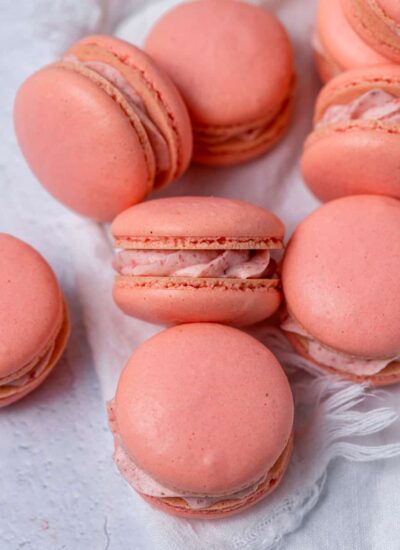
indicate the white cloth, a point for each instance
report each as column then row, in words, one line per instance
column 331, row 415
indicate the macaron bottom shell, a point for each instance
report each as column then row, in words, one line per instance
column 60, row 344
column 351, row 159
column 389, row 375
column 179, row 507
column 176, row 300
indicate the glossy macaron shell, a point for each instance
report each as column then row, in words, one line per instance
column 355, row 156
column 31, row 305
column 82, row 139
column 342, row 47
column 243, row 43
column 339, row 275
column 209, row 218
column 196, row 419
column 378, row 24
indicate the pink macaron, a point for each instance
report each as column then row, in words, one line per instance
column 378, row 23
column 355, row 145
column 341, row 281
column 198, row 433
column 102, row 127
column 233, row 64
column 337, row 45
column 197, row 259
column 34, row 324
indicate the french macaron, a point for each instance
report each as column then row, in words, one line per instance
column 340, row 277
column 337, row 45
column 34, row 323
column 197, row 432
column 102, row 127
column 197, row 259
column 378, row 24
column 233, row 63
column 355, row 145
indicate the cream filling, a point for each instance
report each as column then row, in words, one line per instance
column 146, row 485
column 33, row 373
column 239, row 264
column 376, row 104
column 156, row 138
column 335, row 359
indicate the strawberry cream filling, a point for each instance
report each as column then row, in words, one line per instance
column 375, row 104
column 238, row 264
column 156, row 138
column 146, row 485
column 335, row 359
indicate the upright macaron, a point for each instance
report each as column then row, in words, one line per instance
column 197, row 259
column 337, row 45
column 340, row 277
column 102, row 127
column 198, row 433
column 378, row 23
column 355, row 144
column 233, row 64
column 34, row 325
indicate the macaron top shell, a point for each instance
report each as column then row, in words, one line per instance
column 340, row 275
column 221, row 73
column 210, row 217
column 31, row 305
column 341, row 41
column 197, row 419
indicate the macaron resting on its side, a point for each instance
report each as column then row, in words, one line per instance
column 197, row 259
column 378, row 23
column 34, row 324
column 102, row 127
column 341, row 281
column 197, row 432
column 355, row 145
column 337, row 45
column 233, row 64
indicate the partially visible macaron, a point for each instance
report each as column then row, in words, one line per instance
column 337, row 45
column 378, row 23
column 197, row 432
column 102, row 127
column 341, row 281
column 233, row 64
column 355, row 145
column 34, row 324
column 197, row 259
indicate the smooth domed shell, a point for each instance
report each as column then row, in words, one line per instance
column 31, row 304
column 197, row 217
column 340, row 275
column 237, row 71
column 204, row 408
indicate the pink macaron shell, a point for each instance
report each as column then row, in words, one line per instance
column 353, row 161
column 195, row 418
column 342, row 44
column 171, row 302
column 159, row 85
column 31, row 310
column 80, row 144
column 221, row 73
column 378, row 23
column 197, row 217
column 340, row 275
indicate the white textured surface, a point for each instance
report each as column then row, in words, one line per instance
column 58, row 488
